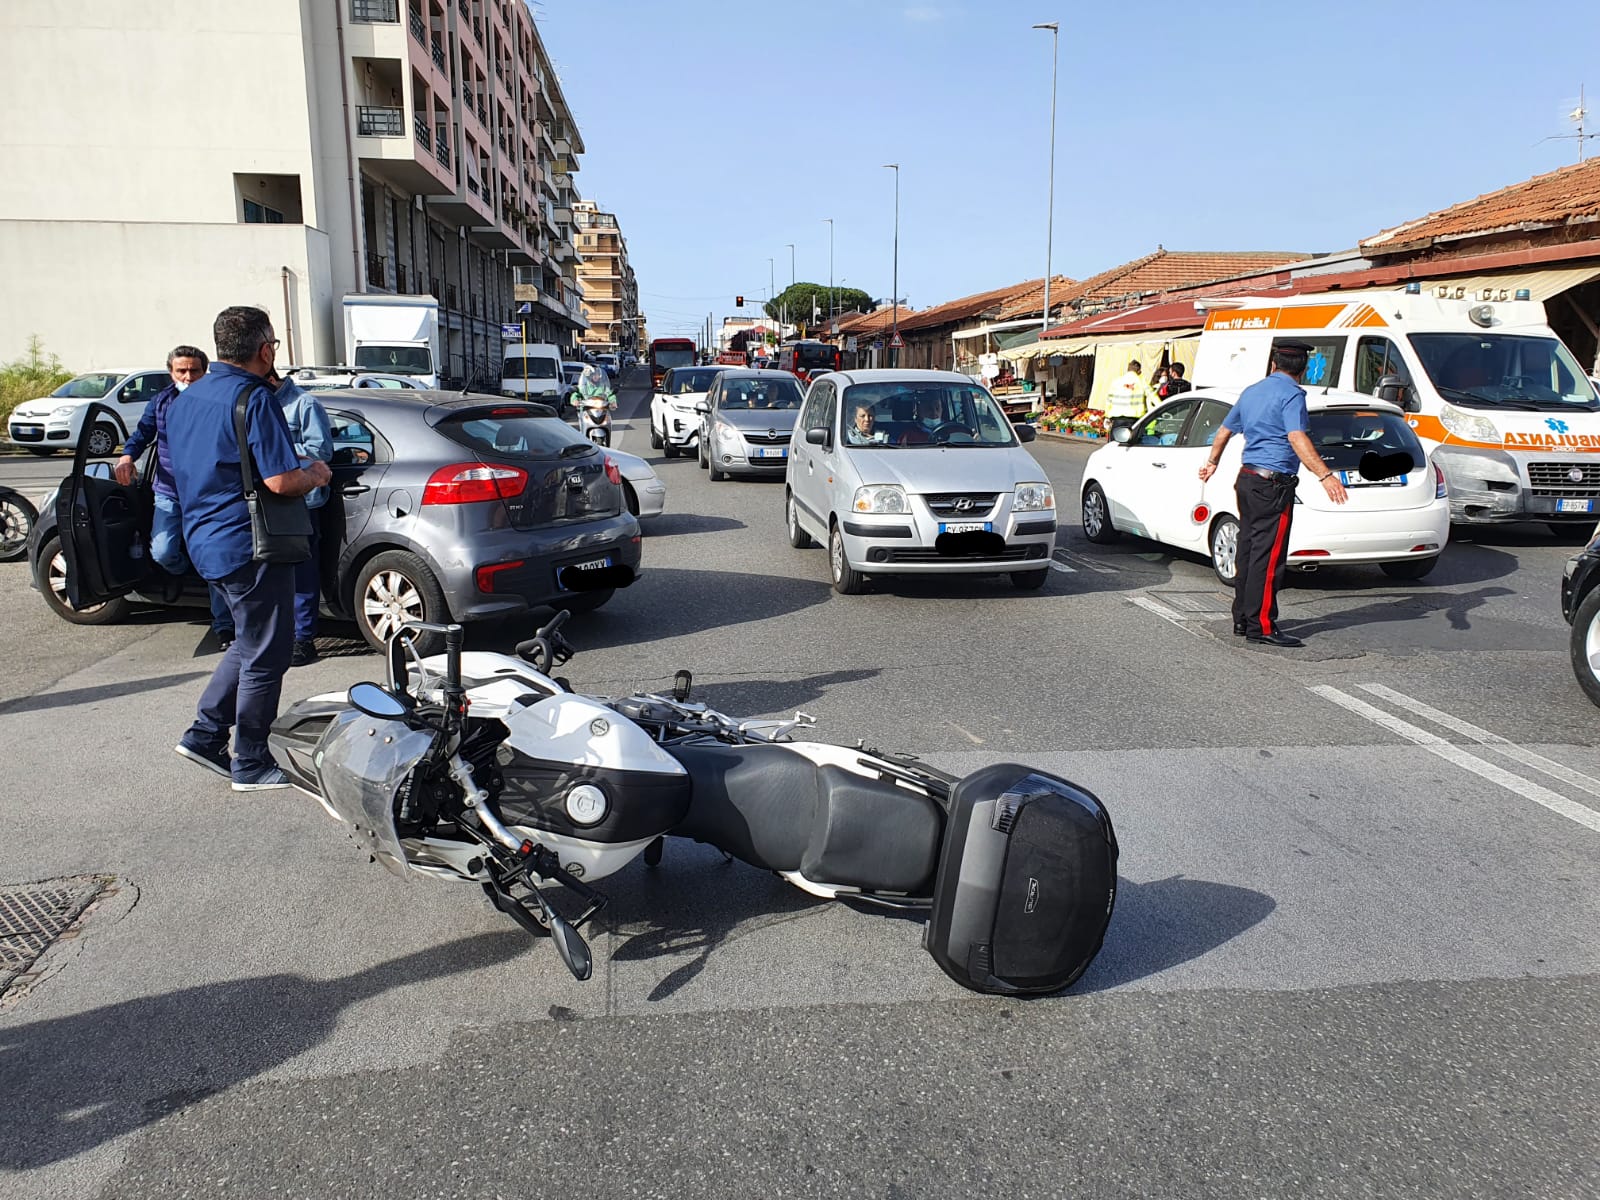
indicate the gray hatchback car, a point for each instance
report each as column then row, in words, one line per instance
column 747, row 421
column 444, row 507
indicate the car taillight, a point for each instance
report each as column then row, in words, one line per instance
column 612, row 473
column 485, row 575
column 1439, row 489
column 472, row 483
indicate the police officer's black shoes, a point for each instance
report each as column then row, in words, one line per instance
column 1239, row 629
column 1275, row 638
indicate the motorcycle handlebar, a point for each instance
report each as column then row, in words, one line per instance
column 542, row 647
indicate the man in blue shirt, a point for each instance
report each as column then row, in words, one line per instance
column 186, row 364
column 1271, row 415
column 205, row 452
column 312, row 435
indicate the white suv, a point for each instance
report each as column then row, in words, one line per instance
column 909, row 472
column 674, row 423
column 55, row 422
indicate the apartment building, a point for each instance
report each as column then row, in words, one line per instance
column 610, row 289
column 167, row 158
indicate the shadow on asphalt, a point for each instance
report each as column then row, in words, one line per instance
column 73, row 696
column 1169, row 922
column 671, row 523
column 747, row 697
column 1403, row 606
column 95, row 1076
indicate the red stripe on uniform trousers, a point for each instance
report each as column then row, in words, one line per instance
column 1272, row 568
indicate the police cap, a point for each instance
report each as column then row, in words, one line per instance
column 1294, row 347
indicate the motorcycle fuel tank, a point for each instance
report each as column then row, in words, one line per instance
column 575, row 767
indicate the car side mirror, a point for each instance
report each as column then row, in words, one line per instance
column 1122, row 435
column 818, row 436
column 1025, row 433
column 702, row 407
column 126, row 393
column 1395, row 390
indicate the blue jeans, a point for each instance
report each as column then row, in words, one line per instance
column 307, row 576
column 166, row 549
column 244, row 691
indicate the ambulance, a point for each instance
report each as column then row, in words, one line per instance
column 1498, row 401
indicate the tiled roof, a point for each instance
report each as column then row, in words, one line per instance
column 1029, row 302
column 953, row 311
column 872, row 322
column 1566, row 197
column 1167, row 269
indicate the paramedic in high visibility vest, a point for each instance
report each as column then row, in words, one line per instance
column 1129, row 397
column 1271, row 415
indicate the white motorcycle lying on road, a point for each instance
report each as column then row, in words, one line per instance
column 485, row 768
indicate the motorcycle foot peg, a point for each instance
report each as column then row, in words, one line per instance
column 652, row 853
column 682, row 684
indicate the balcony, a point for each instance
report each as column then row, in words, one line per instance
column 483, row 113
column 424, row 138
column 419, row 30
column 438, row 56
column 377, row 271
column 401, row 279
column 441, row 146
column 375, row 12
column 372, row 121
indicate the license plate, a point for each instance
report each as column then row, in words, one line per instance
column 1357, row 479
column 966, row 526
column 28, row 431
column 1581, row 506
column 594, row 564
column 770, row 452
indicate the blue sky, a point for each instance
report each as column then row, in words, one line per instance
column 721, row 132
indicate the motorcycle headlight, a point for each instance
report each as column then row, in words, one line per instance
column 1033, row 497
column 880, row 498
column 1467, row 426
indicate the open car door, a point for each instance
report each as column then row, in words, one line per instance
column 104, row 526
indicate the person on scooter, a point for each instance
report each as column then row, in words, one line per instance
column 595, row 399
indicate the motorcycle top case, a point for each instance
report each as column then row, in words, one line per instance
column 1026, row 882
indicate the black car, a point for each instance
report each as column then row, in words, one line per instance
column 1580, row 605
column 444, row 507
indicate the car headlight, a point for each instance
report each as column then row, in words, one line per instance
column 880, row 498
column 66, row 410
column 1033, row 497
column 729, row 434
column 1469, row 427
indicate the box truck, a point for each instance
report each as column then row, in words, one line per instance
column 397, row 335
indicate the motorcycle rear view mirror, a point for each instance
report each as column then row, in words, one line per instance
column 574, row 951
column 379, row 702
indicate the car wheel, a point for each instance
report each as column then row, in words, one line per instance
column 1097, row 526
column 17, row 516
column 587, row 601
column 51, row 577
column 393, row 588
column 669, row 450
column 1585, row 645
column 1409, row 568
column 655, row 437
column 42, row 451
column 847, row 581
column 798, row 537
column 103, row 439
column 1029, row 581
column 717, row 476
column 1225, row 550
column 700, row 453
column 630, row 498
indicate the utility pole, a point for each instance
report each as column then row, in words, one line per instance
column 1050, row 219
column 894, row 297
column 829, row 220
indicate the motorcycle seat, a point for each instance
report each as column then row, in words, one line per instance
column 773, row 808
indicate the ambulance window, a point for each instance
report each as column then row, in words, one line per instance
column 1322, row 364
column 1375, row 358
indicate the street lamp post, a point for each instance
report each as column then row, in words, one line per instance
column 791, row 264
column 1050, row 218
column 894, row 296
column 829, row 220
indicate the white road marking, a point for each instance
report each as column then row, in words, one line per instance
column 976, row 740
column 1090, row 564
column 1171, row 616
column 1494, row 741
column 1464, row 759
column 1061, row 566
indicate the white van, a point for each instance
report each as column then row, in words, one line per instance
column 1498, row 401
column 532, row 371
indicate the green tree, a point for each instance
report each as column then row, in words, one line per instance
column 34, row 374
column 796, row 300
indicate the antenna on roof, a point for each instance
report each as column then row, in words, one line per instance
column 1578, row 117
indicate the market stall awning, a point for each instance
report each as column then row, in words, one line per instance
column 1542, row 285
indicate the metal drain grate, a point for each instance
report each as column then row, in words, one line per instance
column 34, row 915
column 1200, row 603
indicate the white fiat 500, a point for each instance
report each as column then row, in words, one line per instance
column 1147, row 483
column 909, row 472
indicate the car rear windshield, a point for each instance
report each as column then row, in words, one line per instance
column 512, row 431
column 685, row 382
column 1342, row 436
column 396, row 360
column 536, row 368
column 87, row 387
column 738, row 394
column 813, row 356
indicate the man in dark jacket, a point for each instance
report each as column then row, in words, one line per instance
column 1176, row 384
column 186, row 364
column 243, row 694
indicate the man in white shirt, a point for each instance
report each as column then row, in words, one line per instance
column 1129, row 397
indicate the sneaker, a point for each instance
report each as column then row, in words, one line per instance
column 259, row 779
column 224, row 640
column 303, row 654
column 211, row 758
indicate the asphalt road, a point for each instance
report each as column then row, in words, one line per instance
column 1353, row 953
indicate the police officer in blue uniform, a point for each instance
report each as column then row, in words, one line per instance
column 1271, row 415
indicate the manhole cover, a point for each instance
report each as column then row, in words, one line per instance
column 1207, row 603
column 33, row 915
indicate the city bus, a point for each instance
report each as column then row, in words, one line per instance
column 666, row 353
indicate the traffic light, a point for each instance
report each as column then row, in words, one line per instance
column 738, row 301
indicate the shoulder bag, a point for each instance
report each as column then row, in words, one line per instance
column 280, row 526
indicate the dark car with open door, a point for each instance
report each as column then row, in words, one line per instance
column 444, row 507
